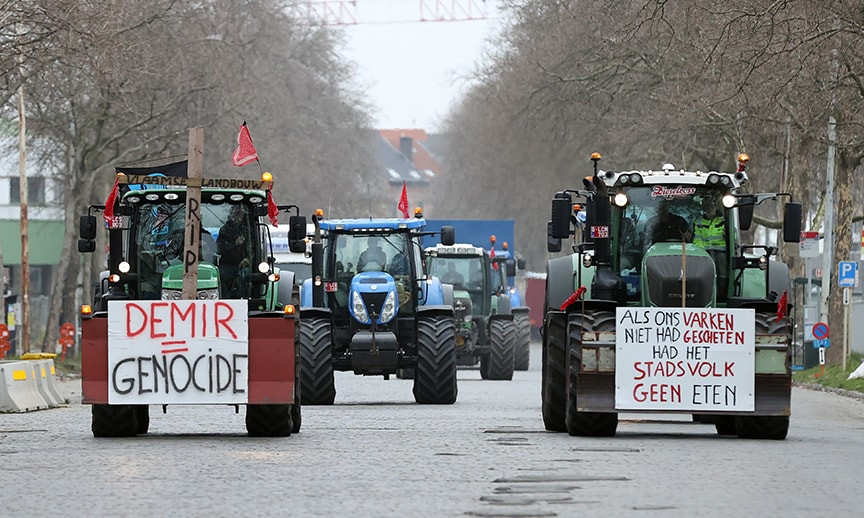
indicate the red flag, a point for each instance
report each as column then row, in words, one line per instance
column 492, row 256
column 272, row 210
column 403, row 200
column 108, row 213
column 576, row 295
column 245, row 151
column 781, row 305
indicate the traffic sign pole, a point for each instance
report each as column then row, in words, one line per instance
column 847, row 295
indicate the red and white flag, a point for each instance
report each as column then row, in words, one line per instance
column 403, row 200
column 108, row 213
column 245, row 152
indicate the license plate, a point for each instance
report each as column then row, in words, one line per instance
column 331, row 287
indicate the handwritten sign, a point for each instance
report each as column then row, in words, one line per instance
column 178, row 352
column 684, row 359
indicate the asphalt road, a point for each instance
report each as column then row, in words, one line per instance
column 376, row 453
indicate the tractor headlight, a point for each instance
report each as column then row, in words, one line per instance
column 388, row 311
column 728, row 201
column 172, row 294
column 359, row 308
column 763, row 263
column 263, row 267
column 586, row 261
column 124, row 267
column 620, row 199
column 208, row 294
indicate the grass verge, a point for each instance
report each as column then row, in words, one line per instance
column 834, row 375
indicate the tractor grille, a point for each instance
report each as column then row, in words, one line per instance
column 664, row 280
column 372, row 280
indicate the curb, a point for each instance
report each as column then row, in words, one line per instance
column 822, row 388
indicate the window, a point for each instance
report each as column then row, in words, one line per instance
column 35, row 190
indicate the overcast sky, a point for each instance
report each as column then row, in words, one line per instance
column 413, row 71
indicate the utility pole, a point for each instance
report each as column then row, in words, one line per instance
column 25, row 238
column 828, row 240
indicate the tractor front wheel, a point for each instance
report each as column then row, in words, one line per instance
column 498, row 364
column 435, row 375
column 522, row 355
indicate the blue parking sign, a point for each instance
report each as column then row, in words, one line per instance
column 847, row 274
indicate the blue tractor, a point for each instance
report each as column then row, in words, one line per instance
column 372, row 310
column 504, row 274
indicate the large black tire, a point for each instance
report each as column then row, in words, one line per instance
column 522, row 354
column 296, row 417
column 498, row 364
column 269, row 420
column 142, row 414
column 554, row 377
column 762, row 426
column 114, row 420
column 317, row 386
column 435, row 375
column 725, row 424
column 589, row 424
column 774, row 427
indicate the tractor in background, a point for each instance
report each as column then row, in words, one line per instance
column 373, row 311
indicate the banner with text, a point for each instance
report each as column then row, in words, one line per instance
column 684, row 359
column 178, row 352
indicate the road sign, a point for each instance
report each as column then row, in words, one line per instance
column 809, row 244
column 847, row 274
column 820, row 330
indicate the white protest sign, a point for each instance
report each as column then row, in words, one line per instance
column 178, row 352
column 684, row 359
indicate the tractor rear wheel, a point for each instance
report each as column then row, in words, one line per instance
column 317, row 386
column 592, row 424
column 114, row 420
column 269, row 420
column 522, row 355
column 553, row 389
column 435, row 375
column 498, row 364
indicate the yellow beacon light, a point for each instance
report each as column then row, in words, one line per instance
column 86, row 310
column 266, row 177
column 319, row 213
column 418, row 212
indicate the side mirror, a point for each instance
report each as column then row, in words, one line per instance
column 511, row 267
column 86, row 246
column 297, row 233
column 746, row 205
column 562, row 207
column 792, row 222
column 448, row 235
column 520, row 263
column 87, row 228
column 553, row 244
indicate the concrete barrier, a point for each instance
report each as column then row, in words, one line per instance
column 18, row 389
column 44, row 372
column 53, row 382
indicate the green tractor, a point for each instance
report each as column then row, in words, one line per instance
column 231, row 342
column 662, row 308
column 486, row 331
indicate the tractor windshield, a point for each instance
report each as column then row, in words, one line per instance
column 464, row 273
column 226, row 240
column 673, row 213
column 349, row 254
